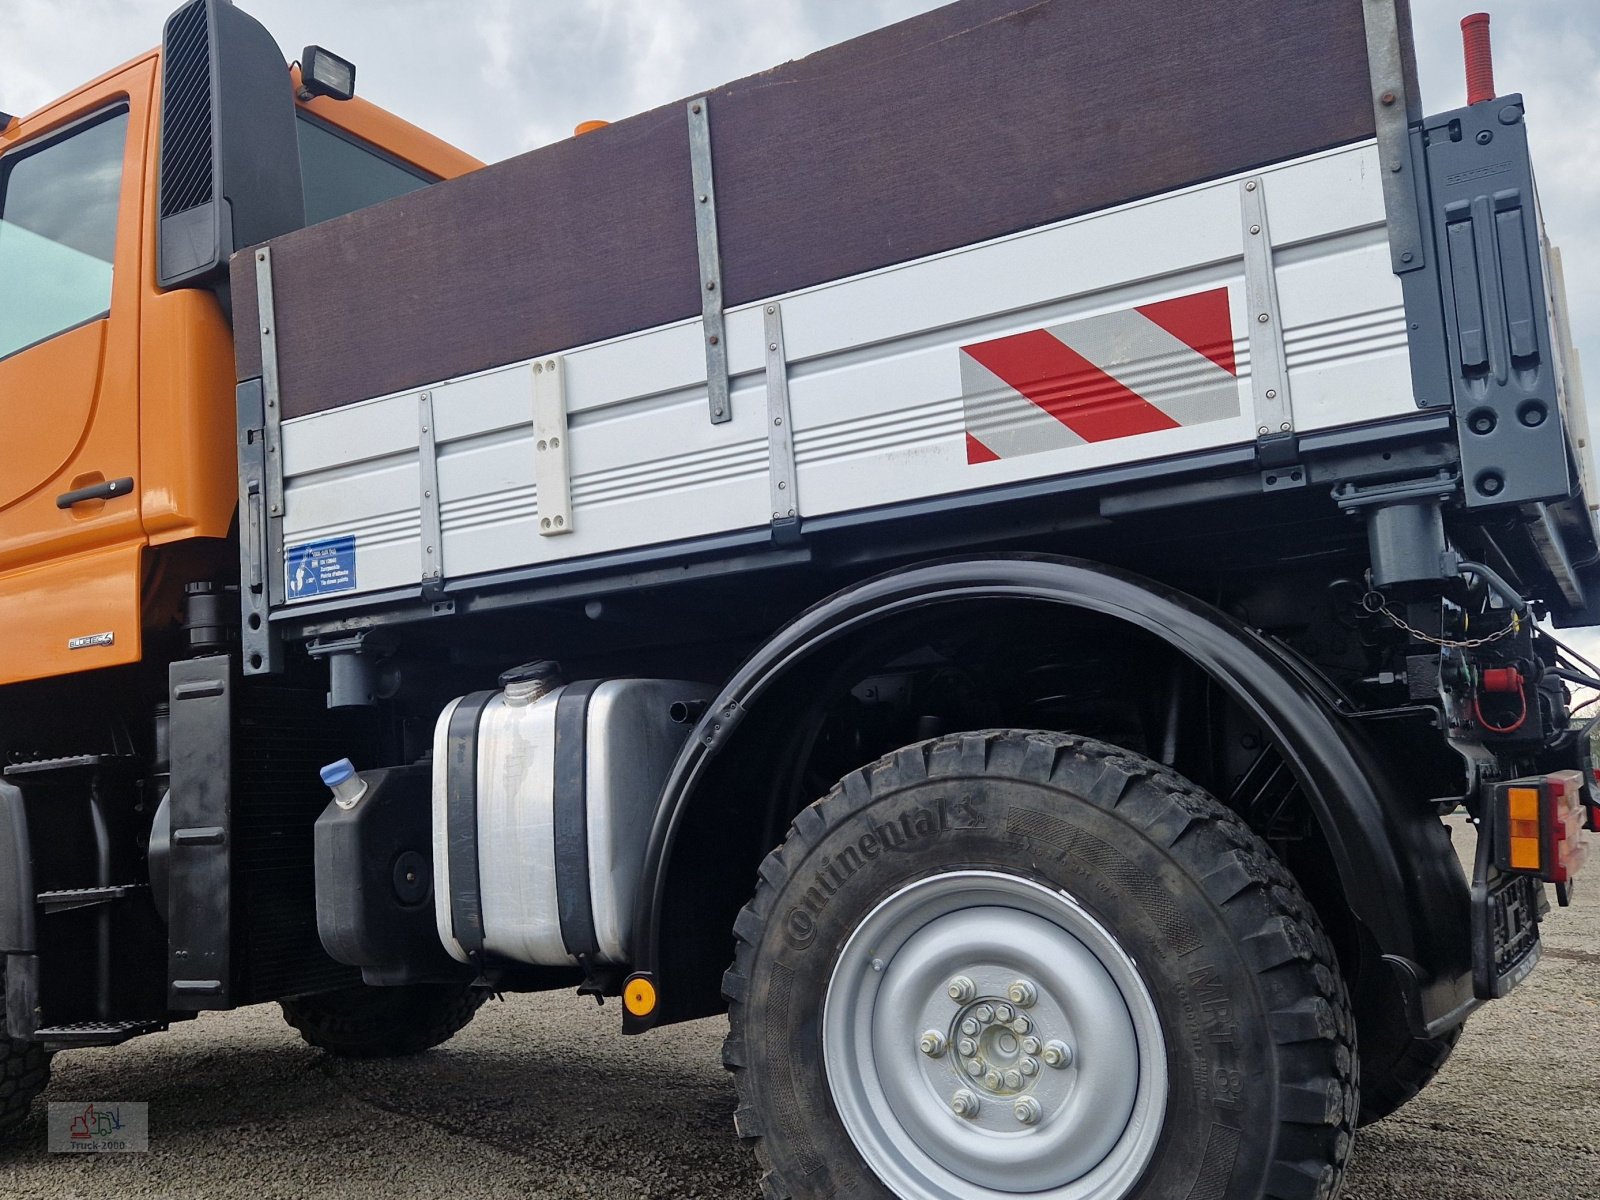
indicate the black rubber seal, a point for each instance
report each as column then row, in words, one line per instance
column 571, row 819
column 461, row 821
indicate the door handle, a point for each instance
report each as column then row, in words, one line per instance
column 109, row 490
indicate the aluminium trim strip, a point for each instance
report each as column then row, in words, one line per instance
column 272, row 413
column 1391, row 108
column 782, row 482
column 710, row 256
column 432, row 532
column 1269, row 372
column 552, row 475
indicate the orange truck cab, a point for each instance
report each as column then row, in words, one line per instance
column 117, row 458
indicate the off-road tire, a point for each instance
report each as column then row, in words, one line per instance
column 1260, row 1042
column 1395, row 1067
column 24, row 1072
column 384, row 1022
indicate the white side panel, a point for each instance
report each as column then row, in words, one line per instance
column 893, row 376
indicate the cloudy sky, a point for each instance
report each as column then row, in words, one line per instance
column 497, row 77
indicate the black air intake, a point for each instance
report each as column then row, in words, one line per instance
column 230, row 157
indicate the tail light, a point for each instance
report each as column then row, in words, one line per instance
column 1539, row 827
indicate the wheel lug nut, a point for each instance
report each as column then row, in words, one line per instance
column 932, row 1044
column 992, row 1080
column 974, row 1068
column 1057, row 1054
column 967, row 1047
column 970, row 1027
column 961, row 989
column 1013, row 1080
column 1030, row 1066
column 1004, row 1013
column 1027, row 1111
column 964, row 1104
column 984, row 1013
column 1021, row 1025
column 1030, row 1045
column 1022, row 993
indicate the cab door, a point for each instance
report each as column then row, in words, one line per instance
column 70, row 242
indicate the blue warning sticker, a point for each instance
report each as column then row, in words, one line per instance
column 319, row 568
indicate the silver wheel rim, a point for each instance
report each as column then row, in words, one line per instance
column 984, row 1036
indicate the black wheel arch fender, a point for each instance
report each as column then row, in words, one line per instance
column 1398, row 874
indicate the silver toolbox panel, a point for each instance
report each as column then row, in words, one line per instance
column 1189, row 321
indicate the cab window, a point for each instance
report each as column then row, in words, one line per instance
column 58, row 231
column 340, row 174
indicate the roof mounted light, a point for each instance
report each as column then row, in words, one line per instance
column 325, row 74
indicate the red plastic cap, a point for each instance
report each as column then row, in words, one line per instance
column 1479, row 57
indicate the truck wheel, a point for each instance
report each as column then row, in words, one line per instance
column 1010, row 963
column 1395, row 1066
column 384, row 1022
column 24, row 1072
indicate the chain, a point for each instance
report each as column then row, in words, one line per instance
column 1375, row 602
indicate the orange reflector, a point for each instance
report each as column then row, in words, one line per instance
column 1525, row 853
column 639, row 997
column 584, row 127
column 1523, row 804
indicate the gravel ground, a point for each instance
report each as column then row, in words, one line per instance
column 540, row 1097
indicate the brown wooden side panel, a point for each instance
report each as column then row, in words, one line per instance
column 976, row 120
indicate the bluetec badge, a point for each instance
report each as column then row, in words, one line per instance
column 318, row 568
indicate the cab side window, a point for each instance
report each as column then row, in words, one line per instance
column 58, row 232
column 340, row 175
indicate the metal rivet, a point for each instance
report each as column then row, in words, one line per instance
column 964, row 1104
column 1386, row 99
column 1284, row 427
column 1027, row 1111
column 961, row 989
column 932, row 1044
column 772, row 345
column 711, row 285
column 782, row 485
column 716, row 412
column 560, row 521
column 538, row 368
column 430, row 549
column 544, row 523
column 712, row 339
column 1272, row 393
column 262, row 257
column 555, row 443
column 702, row 197
column 1057, row 1054
column 550, row 366
column 777, row 420
column 543, row 445
column 1255, row 229
column 772, row 308
column 1023, row 993
column 1263, row 431
column 1262, row 318
column 1251, row 186
column 1407, row 256
column 694, row 108
column 427, row 495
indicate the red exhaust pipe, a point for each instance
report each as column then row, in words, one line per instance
column 1479, row 56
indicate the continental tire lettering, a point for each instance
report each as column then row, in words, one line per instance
column 895, row 834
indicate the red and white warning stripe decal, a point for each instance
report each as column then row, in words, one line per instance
column 1137, row 370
